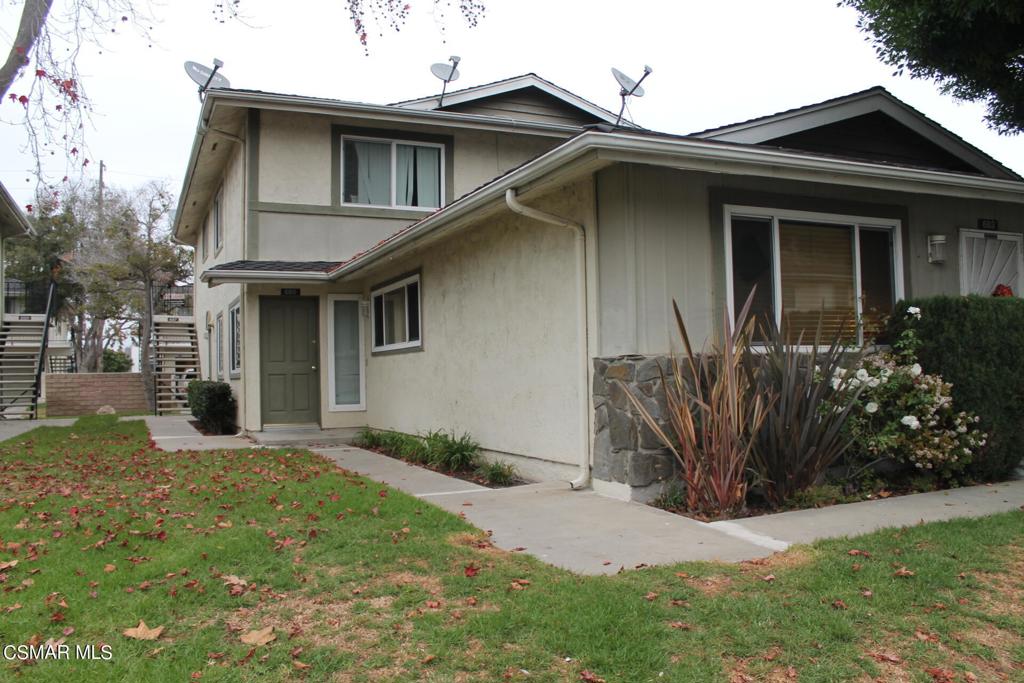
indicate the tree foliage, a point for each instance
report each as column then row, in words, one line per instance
column 114, row 258
column 974, row 49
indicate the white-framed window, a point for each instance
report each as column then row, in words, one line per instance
column 235, row 339
column 396, row 315
column 219, row 341
column 216, row 219
column 989, row 259
column 391, row 173
column 346, row 349
column 846, row 271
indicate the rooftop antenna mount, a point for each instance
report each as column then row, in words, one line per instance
column 205, row 77
column 447, row 73
column 629, row 88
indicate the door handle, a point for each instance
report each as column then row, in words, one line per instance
column 313, row 368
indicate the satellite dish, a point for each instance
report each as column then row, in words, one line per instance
column 447, row 72
column 629, row 88
column 205, row 77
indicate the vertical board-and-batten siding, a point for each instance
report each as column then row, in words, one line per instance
column 654, row 245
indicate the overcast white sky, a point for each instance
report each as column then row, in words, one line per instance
column 714, row 63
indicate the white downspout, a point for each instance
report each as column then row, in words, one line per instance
column 583, row 390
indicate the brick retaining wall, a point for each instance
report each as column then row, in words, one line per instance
column 85, row 393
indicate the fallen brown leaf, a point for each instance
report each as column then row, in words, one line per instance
column 259, row 637
column 903, row 572
column 143, row 632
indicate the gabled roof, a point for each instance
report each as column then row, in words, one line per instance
column 785, row 126
column 509, row 85
column 13, row 222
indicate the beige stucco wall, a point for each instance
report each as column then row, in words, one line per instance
column 660, row 238
column 296, row 237
column 500, row 355
column 295, row 158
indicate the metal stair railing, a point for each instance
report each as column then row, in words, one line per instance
column 37, row 385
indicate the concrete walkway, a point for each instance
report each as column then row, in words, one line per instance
column 12, row 428
column 590, row 534
column 175, row 433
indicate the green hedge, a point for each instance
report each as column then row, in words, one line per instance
column 977, row 344
column 213, row 405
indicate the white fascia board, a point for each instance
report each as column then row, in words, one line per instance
column 500, row 88
column 221, row 277
column 705, row 156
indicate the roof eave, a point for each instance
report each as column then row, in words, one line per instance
column 13, row 222
column 222, row 277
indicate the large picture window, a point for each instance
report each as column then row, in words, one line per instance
column 396, row 315
column 842, row 270
column 345, row 331
column 392, row 173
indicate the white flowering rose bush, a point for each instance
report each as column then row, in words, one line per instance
column 908, row 415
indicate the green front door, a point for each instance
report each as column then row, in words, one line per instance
column 289, row 360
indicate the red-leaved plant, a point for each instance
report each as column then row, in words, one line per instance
column 713, row 414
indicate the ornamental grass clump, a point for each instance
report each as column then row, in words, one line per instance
column 713, row 414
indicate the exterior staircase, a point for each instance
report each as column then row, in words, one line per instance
column 21, row 349
column 175, row 352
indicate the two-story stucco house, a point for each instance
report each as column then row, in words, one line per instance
column 474, row 265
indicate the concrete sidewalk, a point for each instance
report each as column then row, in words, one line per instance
column 12, row 428
column 591, row 534
column 175, row 433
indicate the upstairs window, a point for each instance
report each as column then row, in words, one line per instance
column 844, row 271
column 396, row 315
column 392, row 173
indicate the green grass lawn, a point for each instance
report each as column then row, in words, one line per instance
column 363, row 583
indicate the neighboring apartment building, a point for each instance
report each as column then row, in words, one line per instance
column 479, row 266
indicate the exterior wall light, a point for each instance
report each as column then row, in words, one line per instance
column 936, row 249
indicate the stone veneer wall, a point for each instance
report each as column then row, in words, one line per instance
column 626, row 450
column 85, row 393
